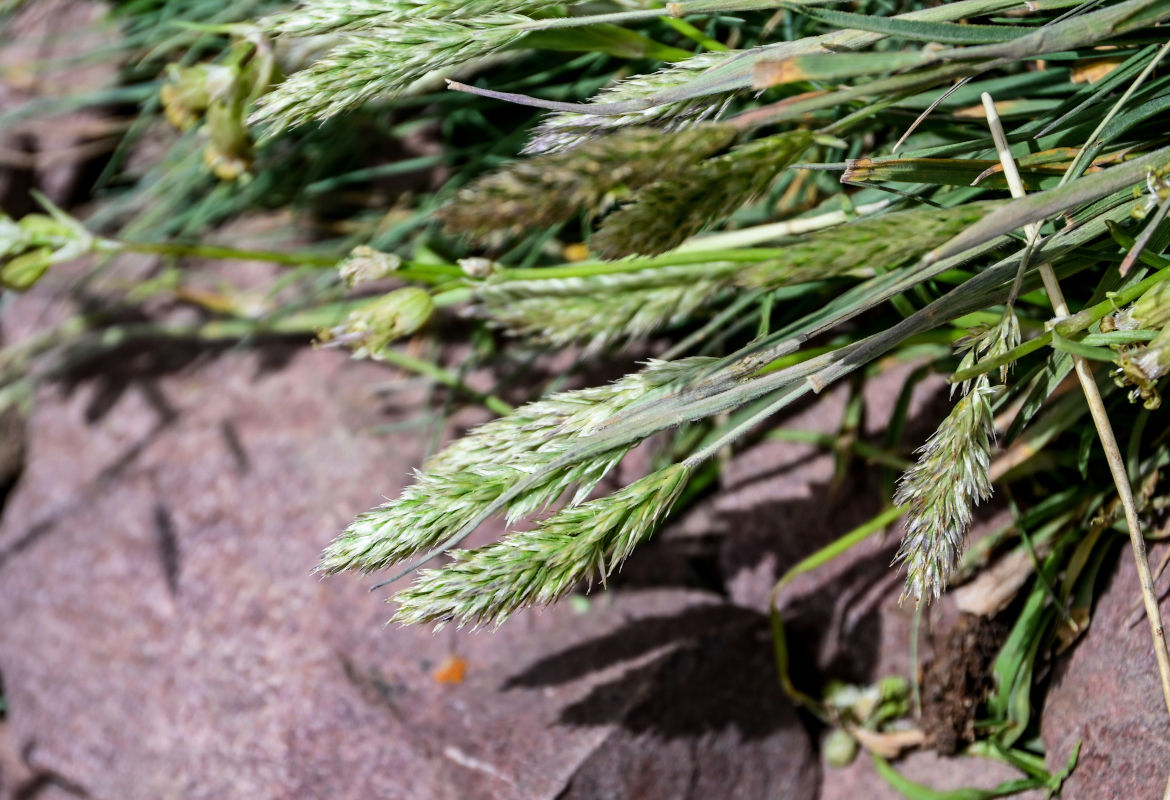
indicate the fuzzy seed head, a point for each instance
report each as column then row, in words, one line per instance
column 551, row 188
column 563, row 130
column 538, row 567
column 457, row 484
column 667, row 213
column 601, row 311
column 949, row 478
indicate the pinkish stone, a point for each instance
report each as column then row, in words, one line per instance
column 163, row 635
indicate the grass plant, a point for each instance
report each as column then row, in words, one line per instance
column 772, row 197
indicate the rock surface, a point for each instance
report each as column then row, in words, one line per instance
column 52, row 153
column 163, row 636
column 1105, row 694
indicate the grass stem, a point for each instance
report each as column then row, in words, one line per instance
column 1100, row 420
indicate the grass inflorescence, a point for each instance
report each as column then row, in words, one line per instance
column 790, row 197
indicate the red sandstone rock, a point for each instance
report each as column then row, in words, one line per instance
column 163, row 635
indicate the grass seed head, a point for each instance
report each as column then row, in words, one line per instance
column 667, row 213
column 948, row 479
column 538, row 567
column 551, row 188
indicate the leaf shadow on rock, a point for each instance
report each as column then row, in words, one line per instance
column 835, row 610
column 708, row 668
column 139, row 365
column 836, row 619
column 707, row 674
column 693, row 553
column 43, row 782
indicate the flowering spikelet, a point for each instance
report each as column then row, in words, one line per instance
column 1143, row 366
column 667, row 213
column 987, row 342
column 601, row 310
column 30, row 246
column 318, row 17
column 385, row 46
column 540, row 566
column 880, row 241
column 382, row 62
column 566, row 129
column 1151, row 311
column 365, row 264
column 372, row 326
column 461, row 481
column 548, row 189
column 950, row 476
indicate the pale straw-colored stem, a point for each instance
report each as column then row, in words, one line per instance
column 1100, row 418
